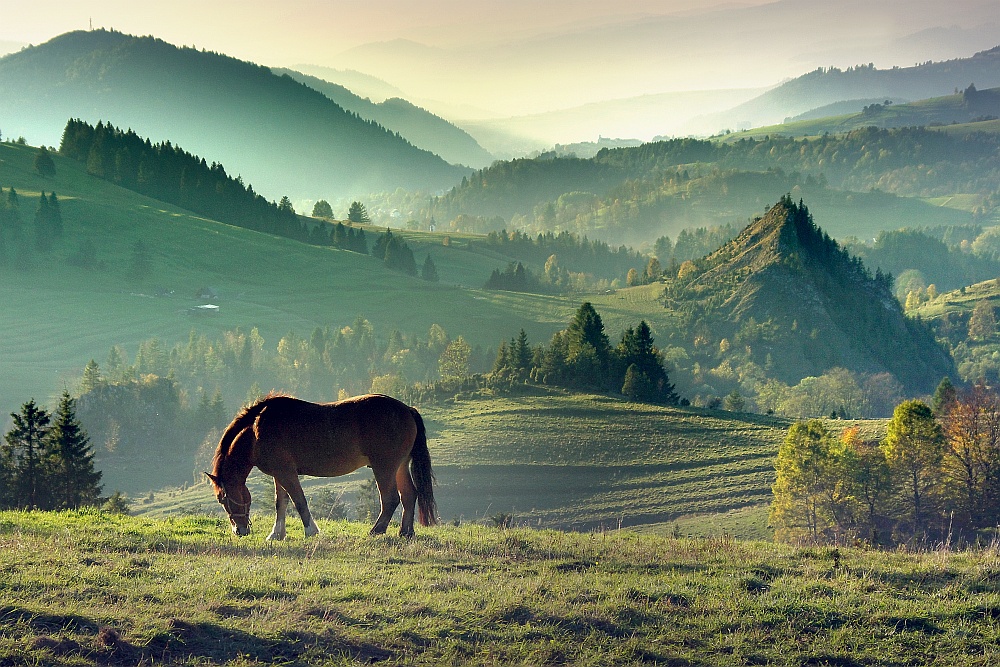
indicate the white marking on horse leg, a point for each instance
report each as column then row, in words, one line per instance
column 278, row 532
column 280, row 505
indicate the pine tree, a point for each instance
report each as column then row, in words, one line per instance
column 429, row 271
column 141, row 262
column 358, row 213
column 72, row 478
column 55, row 216
column 43, row 225
column 44, row 164
column 91, row 378
column 520, row 353
column 23, row 452
column 944, row 395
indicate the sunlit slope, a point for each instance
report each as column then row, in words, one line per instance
column 946, row 113
column 56, row 316
column 572, row 461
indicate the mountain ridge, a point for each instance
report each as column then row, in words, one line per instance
column 420, row 127
column 824, row 86
column 303, row 144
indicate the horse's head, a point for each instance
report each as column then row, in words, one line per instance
column 235, row 499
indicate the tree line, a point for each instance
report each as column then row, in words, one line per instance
column 168, row 173
column 581, row 357
column 20, row 241
column 933, row 478
column 46, row 461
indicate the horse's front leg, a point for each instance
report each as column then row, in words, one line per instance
column 294, row 489
column 280, row 508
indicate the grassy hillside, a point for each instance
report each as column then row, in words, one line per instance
column 89, row 589
column 59, row 316
column 941, row 112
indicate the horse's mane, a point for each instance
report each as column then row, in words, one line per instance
column 243, row 418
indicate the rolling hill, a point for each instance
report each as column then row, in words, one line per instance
column 859, row 183
column 275, row 284
column 419, row 126
column 825, row 86
column 278, row 134
column 971, row 108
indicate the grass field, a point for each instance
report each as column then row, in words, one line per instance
column 97, row 589
column 57, row 317
column 564, row 461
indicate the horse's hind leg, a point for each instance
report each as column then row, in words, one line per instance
column 389, row 495
column 408, row 494
column 291, row 484
column 280, row 507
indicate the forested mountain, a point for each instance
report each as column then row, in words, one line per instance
column 278, row 134
column 825, row 86
column 785, row 297
column 418, row 126
column 856, row 182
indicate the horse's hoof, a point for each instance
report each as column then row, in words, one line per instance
column 275, row 537
column 312, row 530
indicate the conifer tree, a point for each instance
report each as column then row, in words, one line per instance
column 72, row 478
column 44, row 165
column 358, row 213
column 429, row 271
column 23, row 453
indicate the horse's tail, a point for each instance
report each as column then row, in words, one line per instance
column 423, row 476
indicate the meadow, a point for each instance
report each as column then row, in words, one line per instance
column 88, row 588
column 57, row 317
column 566, row 461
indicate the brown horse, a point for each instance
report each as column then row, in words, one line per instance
column 286, row 437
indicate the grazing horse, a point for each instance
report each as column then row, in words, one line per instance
column 286, row 437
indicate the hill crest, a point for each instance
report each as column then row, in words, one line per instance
column 794, row 299
column 304, row 145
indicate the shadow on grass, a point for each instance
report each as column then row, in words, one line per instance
column 67, row 638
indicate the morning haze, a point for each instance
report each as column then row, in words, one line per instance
column 672, row 329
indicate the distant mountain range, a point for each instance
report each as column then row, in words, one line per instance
column 973, row 107
column 824, row 87
column 419, row 126
column 278, row 134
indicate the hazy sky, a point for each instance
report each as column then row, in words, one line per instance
column 293, row 31
column 528, row 56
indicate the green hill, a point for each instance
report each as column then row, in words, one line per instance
column 60, row 316
column 825, row 86
column 280, row 135
column 970, row 107
column 858, row 183
column 801, row 305
column 419, row 126
column 96, row 589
